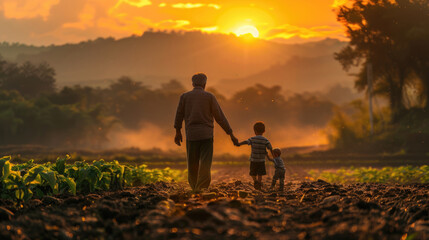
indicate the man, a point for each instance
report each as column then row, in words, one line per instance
column 198, row 108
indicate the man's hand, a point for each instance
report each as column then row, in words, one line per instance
column 178, row 138
column 234, row 140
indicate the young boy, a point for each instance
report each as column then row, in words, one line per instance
column 280, row 169
column 259, row 150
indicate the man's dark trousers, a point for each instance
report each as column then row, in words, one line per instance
column 200, row 154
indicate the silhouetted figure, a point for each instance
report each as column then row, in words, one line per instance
column 198, row 108
column 259, row 146
column 279, row 173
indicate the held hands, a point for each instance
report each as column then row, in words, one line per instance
column 234, row 140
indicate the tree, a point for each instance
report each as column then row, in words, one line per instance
column 28, row 79
column 379, row 33
column 418, row 39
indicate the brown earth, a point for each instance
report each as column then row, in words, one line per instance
column 231, row 209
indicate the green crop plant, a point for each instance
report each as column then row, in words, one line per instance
column 21, row 182
column 401, row 174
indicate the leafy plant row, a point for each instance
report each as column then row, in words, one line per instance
column 402, row 174
column 21, row 182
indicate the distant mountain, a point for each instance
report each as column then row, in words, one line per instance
column 11, row 51
column 156, row 57
column 298, row 74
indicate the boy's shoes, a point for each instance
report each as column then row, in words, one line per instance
column 257, row 185
column 281, row 187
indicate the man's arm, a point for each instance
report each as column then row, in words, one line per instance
column 221, row 120
column 268, row 157
column 220, row 117
column 180, row 114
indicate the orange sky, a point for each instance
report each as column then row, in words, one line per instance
column 60, row 21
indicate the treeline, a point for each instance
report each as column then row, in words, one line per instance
column 33, row 111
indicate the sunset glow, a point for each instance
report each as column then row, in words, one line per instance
column 60, row 21
column 248, row 29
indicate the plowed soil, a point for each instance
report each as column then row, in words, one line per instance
column 230, row 209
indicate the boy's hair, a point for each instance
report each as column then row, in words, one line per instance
column 199, row 79
column 277, row 151
column 259, row 127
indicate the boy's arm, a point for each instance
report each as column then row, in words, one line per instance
column 242, row 143
column 271, row 151
column 270, row 147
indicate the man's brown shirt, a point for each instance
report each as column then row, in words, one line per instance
column 198, row 108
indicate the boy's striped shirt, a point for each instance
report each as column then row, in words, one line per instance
column 278, row 163
column 259, row 148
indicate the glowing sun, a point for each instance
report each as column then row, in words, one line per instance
column 247, row 29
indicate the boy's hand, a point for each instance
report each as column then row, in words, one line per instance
column 178, row 138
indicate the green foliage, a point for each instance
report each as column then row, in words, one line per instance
column 393, row 37
column 28, row 79
column 402, row 174
column 21, row 182
column 40, row 121
column 351, row 132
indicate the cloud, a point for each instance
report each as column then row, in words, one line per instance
column 22, row 9
column 288, row 31
column 170, row 24
column 339, row 3
column 86, row 19
column 60, row 21
column 205, row 29
column 195, row 5
column 134, row 3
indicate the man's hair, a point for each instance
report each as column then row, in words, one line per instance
column 277, row 151
column 199, row 79
column 259, row 127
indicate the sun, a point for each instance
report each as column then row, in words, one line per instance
column 247, row 29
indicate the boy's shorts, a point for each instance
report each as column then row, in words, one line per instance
column 257, row 169
column 279, row 174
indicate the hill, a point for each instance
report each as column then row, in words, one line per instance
column 156, row 57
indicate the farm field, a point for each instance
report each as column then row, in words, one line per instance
column 163, row 208
column 106, row 105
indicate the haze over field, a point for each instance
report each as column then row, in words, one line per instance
column 265, row 60
column 310, row 82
